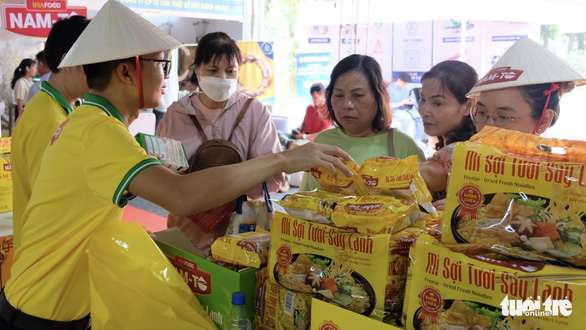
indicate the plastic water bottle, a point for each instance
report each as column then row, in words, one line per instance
column 238, row 319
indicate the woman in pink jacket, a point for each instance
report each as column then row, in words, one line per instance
column 216, row 108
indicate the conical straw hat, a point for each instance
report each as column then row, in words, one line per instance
column 116, row 32
column 527, row 63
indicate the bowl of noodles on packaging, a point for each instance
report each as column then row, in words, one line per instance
column 524, row 223
column 329, row 281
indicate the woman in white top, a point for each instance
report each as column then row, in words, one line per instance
column 22, row 82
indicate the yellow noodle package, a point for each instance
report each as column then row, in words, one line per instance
column 518, row 143
column 375, row 214
column 340, row 182
column 279, row 308
column 397, row 271
column 517, row 205
column 316, row 205
column 449, row 290
column 346, row 268
column 248, row 249
column 396, row 177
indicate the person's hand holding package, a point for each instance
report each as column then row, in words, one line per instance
column 199, row 191
column 312, row 155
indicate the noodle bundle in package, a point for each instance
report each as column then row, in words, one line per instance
column 248, row 249
column 375, row 214
column 340, row 182
column 316, row 205
column 279, row 308
column 449, row 290
column 530, row 204
column 346, row 268
column 396, row 177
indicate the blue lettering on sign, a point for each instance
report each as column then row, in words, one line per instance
column 456, row 39
column 350, row 41
column 507, row 38
column 319, row 40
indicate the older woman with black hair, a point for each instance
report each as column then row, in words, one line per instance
column 358, row 104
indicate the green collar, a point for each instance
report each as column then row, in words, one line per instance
column 45, row 87
column 102, row 103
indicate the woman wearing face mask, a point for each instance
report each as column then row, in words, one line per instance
column 216, row 107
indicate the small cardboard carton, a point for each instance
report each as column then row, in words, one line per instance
column 212, row 284
column 326, row 316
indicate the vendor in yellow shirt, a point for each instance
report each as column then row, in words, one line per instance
column 44, row 113
column 93, row 165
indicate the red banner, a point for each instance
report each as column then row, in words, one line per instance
column 37, row 23
column 46, row 5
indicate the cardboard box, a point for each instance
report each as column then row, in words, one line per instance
column 5, row 175
column 325, row 316
column 212, row 284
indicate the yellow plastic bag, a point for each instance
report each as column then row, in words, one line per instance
column 133, row 284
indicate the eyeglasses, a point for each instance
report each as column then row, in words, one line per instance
column 166, row 64
column 500, row 119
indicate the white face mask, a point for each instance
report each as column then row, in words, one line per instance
column 217, row 89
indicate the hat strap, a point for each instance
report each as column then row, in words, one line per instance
column 139, row 77
column 554, row 87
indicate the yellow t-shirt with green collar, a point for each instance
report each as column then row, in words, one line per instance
column 34, row 129
column 81, row 186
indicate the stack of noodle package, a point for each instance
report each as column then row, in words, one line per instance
column 347, row 242
column 522, row 198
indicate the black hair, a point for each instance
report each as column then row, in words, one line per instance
column 317, row 87
column 535, row 97
column 193, row 79
column 41, row 57
column 458, row 78
column 215, row 46
column 63, row 35
column 99, row 74
column 370, row 68
column 20, row 71
column 405, row 77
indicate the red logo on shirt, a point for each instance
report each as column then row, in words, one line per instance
column 58, row 131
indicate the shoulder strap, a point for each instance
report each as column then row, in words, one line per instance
column 204, row 138
column 239, row 118
column 390, row 143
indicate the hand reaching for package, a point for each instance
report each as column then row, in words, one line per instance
column 313, row 155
